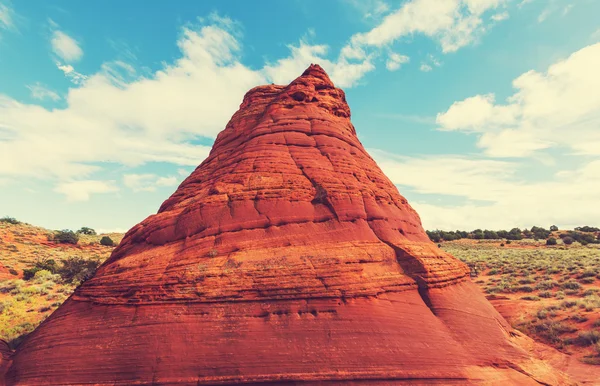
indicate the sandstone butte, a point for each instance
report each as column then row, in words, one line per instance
column 287, row 256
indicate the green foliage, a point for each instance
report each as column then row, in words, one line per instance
column 568, row 240
column 539, row 233
column 29, row 273
column 66, row 236
column 76, row 269
column 553, row 228
column 587, row 228
column 87, row 231
column 551, row 241
column 107, row 241
column 10, row 220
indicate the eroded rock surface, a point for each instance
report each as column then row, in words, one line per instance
column 286, row 256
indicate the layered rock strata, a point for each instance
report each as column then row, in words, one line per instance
column 286, row 256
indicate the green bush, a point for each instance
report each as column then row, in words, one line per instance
column 10, row 220
column 107, row 241
column 87, row 231
column 66, row 236
column 553, row 228
column 551, row 241
column 29, row 273
column 77, row 269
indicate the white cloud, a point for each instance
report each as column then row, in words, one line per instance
column 147, row 182
column 41, row 92
column 346, row 71
column 544, row 15
column 595, row 35
column 496, row 198
column 71, row 74
column 429, row 63
column 65, row 47
column 567, row 9
column 558, row 108
column 395, row 61
column 6, row 17
column 370, row 9
column 83, row 189
column 452, row 23
column 500, row 16
column 131, row 121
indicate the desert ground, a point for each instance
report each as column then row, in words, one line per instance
column 551, row 293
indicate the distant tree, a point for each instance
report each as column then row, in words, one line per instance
column 66, row 236
column 76, row 269
column 551, row 241
column 10, row 220
column 502, row 234
column 587, row 229
column 477, row 234
column 490, row 235
column 87, row 231
column 553, row 228
column 568, row 240
column 514, row 234
column 107, row 241
column 539, row 233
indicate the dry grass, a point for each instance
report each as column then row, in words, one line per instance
column 550, row 293
column 25, row 304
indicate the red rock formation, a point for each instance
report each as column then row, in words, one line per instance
column 287, row 255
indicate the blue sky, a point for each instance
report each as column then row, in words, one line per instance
column 484, row 113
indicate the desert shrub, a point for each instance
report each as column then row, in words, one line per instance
column 551, row 241
column 213, row 253
column 579, row 318
column 568, row 240
column 10, row 286
column 526, row 280
column 66, row 236
column 525, row 288
column 554, row 228
column 434, row 236
column 586, row 228
column 10, row 220
column 546, row 285
column 560, row 295
column 588, row 273
column 76, row 269
column 107, row 241
column 29, row 273
column 587, row 338
column 531, row 298
column 539, row 233
column 571, row 285
column 47, row 265
column 596, row 323
column 587, row 280
column 545, row 294
column 493, row 271
column 508, row 242
column 13, row 272
column 571, row 292
column 568, row 304
column 87, row 231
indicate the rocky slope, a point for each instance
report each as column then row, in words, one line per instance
column 285, row 256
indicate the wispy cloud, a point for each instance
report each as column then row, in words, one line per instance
column 41, row 92
column 65, row 47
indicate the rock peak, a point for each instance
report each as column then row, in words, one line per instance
column 287, row 256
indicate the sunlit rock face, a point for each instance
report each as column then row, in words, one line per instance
column 286, row 256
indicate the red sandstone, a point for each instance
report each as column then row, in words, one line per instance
column 286, row 256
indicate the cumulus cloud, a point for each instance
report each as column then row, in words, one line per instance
column 65, row 47
column 556, row 108
column 492, row 193
column 83, row 189
column 452, row 23
column 41, row 92
column 346, row 71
